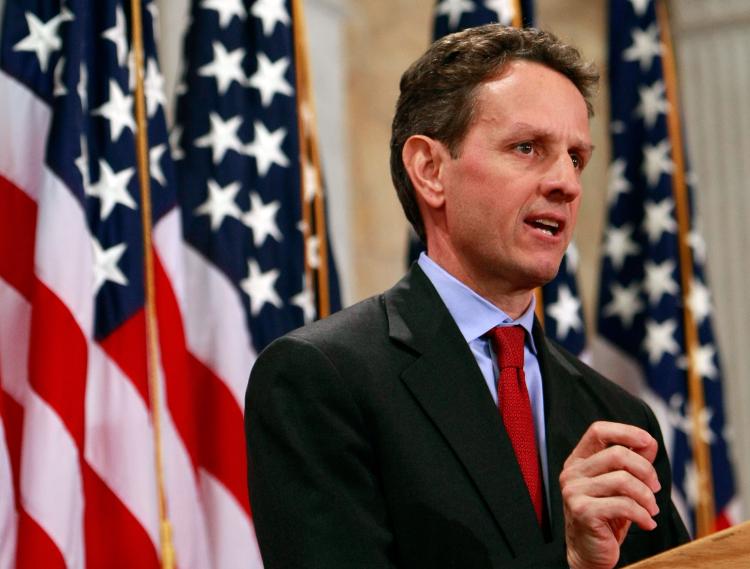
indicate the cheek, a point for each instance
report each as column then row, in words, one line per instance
column 484, row 197
column 488, row 190
column 472, row 194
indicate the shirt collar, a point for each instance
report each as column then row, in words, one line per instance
column 473, row 314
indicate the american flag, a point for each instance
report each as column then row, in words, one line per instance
column 563, row 311
column 238, row 168
column 77, row 410
column 78, row 472
column 454, row 15
column 239, row 171
column 641, row 299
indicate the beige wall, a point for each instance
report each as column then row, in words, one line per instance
column 383, row 39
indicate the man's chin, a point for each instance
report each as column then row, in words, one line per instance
column 542, row 275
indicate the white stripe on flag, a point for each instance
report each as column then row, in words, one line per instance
column 215, row 326
column 63, row 242
column 63, row 259
column 15, row 335
column 168, row 244
column 119, row 440
column 233, row 543
column 51, row 485
column 23, row 115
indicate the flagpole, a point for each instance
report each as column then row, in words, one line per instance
column 517, row 14
column 539, row 309
column 310, row 157
column 152, row 357
column 705, row 509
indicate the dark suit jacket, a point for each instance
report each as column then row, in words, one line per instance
column 373, row 442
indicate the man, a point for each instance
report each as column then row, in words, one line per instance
column 377, row 438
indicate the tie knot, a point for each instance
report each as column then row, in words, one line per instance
column 508, row 344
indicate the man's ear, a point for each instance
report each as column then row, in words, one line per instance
column 424, row 159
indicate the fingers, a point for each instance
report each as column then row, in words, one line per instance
column 604, row 434
column 619, row 484
column 608, row 482
column 614, row 458
column 590, row 513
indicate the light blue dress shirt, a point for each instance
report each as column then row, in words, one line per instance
column 475, row 316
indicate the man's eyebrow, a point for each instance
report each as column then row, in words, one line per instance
column 586, row 147
column 542, row 133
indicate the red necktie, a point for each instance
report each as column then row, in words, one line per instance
column 515, row 407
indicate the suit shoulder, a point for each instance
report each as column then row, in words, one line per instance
column 318, row 348
column 350, row 324
column 346, row 335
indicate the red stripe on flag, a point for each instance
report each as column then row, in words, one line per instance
column 35, row 549
column 12, row 416
column 222, row 442
column 181, row 395
column 17, row 237
column 722, row 521
column 204, row 400
column 58, row 360
column 126, row 346
column 114, row 538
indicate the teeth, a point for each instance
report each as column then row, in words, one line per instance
column 548, row 226
column 547, row 223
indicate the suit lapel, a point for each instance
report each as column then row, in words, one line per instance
column 449, row 387
column 564, row 424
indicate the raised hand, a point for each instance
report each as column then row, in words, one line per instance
column 607, row 483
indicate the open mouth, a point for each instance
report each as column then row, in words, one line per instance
column 548, row 226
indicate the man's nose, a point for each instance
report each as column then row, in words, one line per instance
column 562, row 181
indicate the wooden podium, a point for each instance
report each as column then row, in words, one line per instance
column 727, row 549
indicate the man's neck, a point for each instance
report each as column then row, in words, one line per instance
column 513, row 302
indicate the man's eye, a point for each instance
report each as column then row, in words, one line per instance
column 525, row 147
column 577, row 161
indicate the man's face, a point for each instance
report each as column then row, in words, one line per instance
column 512, row 194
